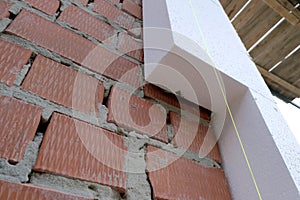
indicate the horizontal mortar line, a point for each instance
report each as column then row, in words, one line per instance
column 185, row 153
column 85, row 35
column 107, row 82
column 97, row 42
column 98, row 15
column 177, row 110
column 104, row 19
column 27, row 6
column 61, row 188
column 28, row 97
column 23, row 95
column 54, row 107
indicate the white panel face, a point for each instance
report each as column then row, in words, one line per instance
column 192, row 41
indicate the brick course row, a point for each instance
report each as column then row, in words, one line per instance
column 76, row 149
column 70, row 45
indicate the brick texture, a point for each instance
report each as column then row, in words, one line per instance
column 158, row 94
column 76, row 149
column 4, row 6
column 190, row 134
column 114, row 14
column 173, row 177
column 70, row 45
column 18, row 191
column 12, row 59
column 18, row 125
column 132, row 8
column 130, row 46
column 84, row 2
column 115, row 2
column 47, row 6
column 86, row 23
column 64, row 85
column 134, row 113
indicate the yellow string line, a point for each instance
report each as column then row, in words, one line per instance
column 226, row 102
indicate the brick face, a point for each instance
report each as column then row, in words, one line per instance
column 156, row 93
column 189, row 134
column 12, row 59
column 18, row 125
column 84, row 2
column 132, row 8
column 134, row 113
column 17, row 191
column 70, row 45
column 4, row 6
column 76, row 149
column 64, row 85
column 131, row 47
column 86, row 23
column 173, row 177
column 115, row 2
column 47, row 6
column 114, row 14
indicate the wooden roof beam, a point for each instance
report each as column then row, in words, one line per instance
column 291, row 88
column 275, row 5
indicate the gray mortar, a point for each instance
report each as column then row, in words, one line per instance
column 19, row 5
column 74, row 186
column 138, row 186
column 51, row 107
column 137, row 29
column 22, row 74
column 39, row 50
column 20, row 171
column 170, row 133
column 4, row 24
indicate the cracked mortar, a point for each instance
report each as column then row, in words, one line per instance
column 138, row 186
column 75, row 187
column 20, row 172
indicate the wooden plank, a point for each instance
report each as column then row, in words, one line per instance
column 265, row 18
column 276, row 45
column 289, row 6
column 294, row 2
column 289, row 69
column 248, row 13
column 225, row 3
column 279, row 89
column 274, row 4
column 291, row 88
column 234, row 6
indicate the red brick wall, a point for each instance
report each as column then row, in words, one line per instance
column 77, row 120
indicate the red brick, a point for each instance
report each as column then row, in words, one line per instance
column 86, row 23
column 139, row 2
column 70, row 45
column 77, row 149
column 158, row 94
column 114, row 14
column 173, row 177
column 190, row 134
column 134, row 113
column 64, row 85
column 12, row 59
column 47, row 6
column 4, row 6
column 16, row 191
column 84, row 2
column 115, row 2
column 133, row 8
column 18, row 125
column 131, row 47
